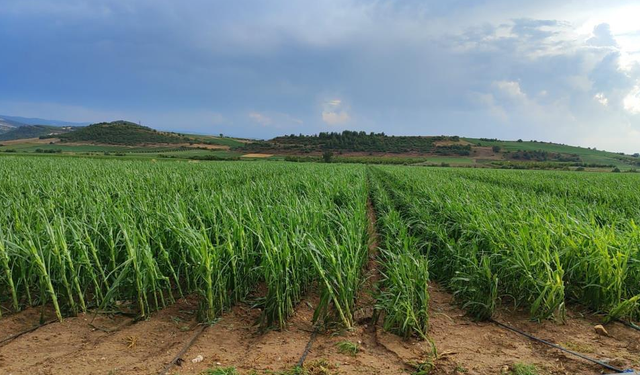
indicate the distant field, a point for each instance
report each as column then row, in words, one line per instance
column 193, row 152
column 231, row 142
column 450, row 160
column 32, row 147
column 479, row 156
column 587, row 155
column 145, row 152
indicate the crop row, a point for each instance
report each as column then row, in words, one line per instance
column 96, row 233
column 492, row 243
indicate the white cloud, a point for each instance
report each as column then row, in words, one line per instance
column 335, row 118
column 488, row 101
column 511, row 88
column 275, row 120
column 632, row 101
column 601, row 98
column 260, row 118
column 335, row 112
column 602, row 36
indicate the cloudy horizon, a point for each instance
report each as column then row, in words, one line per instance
column 567, row 73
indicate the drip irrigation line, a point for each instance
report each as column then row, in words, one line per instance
column 603, row 364
column 175, row 359
column 12, row 337
column 116, row 328
column 629, row 324
column 308, row 347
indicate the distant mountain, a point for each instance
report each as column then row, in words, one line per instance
column 8, row 124
column 121, row 133
column 34, row 131
column 20, row 121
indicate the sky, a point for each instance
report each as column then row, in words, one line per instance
column 561, row 71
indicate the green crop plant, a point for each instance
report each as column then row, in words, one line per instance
column 404, row 291
column 502, row 237
column 88, row 234
column 347, row 347
column 97, row 233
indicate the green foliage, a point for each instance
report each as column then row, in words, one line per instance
column 327, row 156
column 523, row 369
column 352, row 141
column 33, row 131
column 96, row 232
column 347, row 347
column 121, row 133
column 221, row 371
column 215, row 230
column 401, row 160
column 541, row 155
column 537, row 238
column 404, row 296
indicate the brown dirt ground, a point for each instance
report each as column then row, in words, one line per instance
column 159, row 145
column 257, row 155
column 30, row 140
column 200, row 145
column 74, row 347
column 486, row 153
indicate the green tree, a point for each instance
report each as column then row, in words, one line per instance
column 327, row 156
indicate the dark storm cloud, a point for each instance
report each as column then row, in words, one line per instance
column 262, row 68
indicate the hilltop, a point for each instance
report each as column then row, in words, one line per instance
column 352, row 141
column 121, row 133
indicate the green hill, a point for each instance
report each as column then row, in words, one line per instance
column 352, row 141
column 34, row 131
column 121, row 133
column 520, row 150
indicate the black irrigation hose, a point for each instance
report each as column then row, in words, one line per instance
column 184, row 349
column 605, row 365
column 629, row 324
column 308, row 347
column 12, row 337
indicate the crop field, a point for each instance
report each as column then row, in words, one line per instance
column 536, row 239
column 271, row 240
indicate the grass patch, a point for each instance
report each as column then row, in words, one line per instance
column 581, row 348
column 221, row 371
column 423, row 368
column 347, row 347
column 524, row 369
column 319, row 367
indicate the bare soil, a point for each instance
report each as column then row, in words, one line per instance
column 75, row 347
column 257, row 155
column 30, row 140
column 486, row 153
